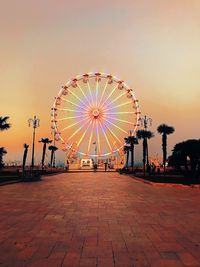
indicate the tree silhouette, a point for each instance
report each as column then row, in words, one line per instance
column 53, row 150
column 179, row 156
column 2, row 153
column 3, row 123
column 45, row 141
column 165, row 130
column 144, row 135
column 132, row 141
column 25, row 156
column 127, row 150
column 184, row 150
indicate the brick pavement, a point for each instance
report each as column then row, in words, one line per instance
column 98, row 219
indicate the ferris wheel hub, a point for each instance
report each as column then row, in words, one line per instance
column 95, row 113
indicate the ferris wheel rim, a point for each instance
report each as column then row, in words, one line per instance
column 104, row 76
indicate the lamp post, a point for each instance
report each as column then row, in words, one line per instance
column 133, row 142
column 54, row 143
column 95, row 157
column 146, row 122
column 35, row 122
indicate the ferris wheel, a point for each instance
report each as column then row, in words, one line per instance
column 92, row 114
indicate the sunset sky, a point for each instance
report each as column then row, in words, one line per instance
column 153, row 45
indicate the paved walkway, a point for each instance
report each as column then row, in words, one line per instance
column 97, row 219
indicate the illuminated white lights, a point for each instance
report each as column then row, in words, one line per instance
column 93, row 112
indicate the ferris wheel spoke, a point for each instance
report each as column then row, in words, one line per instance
column 71, row 110
column 98, row 138
column 89, row 88
column 73, row 124
column 120, row 105
column 120, row 112
column 90, row 139
column 78, row 130
column 113, row 134
column 119, row 128
column 74, row 104
column 97, row 89
column 109, row 95
column 116, row 98
column 105, row 136
column 83, row 93
column 77, row 97
column 84, row 133
column 69, row 118
column 104, row 89
column 112, row 118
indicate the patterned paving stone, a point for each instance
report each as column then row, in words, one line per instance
column 98, row 220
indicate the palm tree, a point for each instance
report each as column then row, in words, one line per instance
column 3, row 126
column 2, row 153
column 3, row 123
column 25, row 156
column 144, row 135
column 165, row 130
column 149, row 135
column 53, row 150
column 45, row 141
column 132, row 140
column 126, row 150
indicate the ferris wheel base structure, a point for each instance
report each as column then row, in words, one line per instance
column 92, row 114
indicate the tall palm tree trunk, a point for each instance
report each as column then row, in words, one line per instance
column 144, row 156
column 147, row 152
column 43, row 154
column 165, row 130
column 132, row 156
column 54, row 159
column 52, row 149
column 24, row 158
column 164, row 148
column 127, row 158
column 144, row 135
column 33, row 149
column 2, row 153
column 45, row 141
column 52, row 154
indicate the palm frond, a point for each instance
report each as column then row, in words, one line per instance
column 165, row 129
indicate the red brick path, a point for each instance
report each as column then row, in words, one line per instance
column 97, row 219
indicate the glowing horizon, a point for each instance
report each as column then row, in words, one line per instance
column 153, row 46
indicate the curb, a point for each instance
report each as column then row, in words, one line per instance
column 11, row 182
column 165, row 184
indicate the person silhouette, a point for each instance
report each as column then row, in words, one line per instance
column 106, row 165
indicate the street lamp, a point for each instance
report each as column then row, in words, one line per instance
column 35, row 122
column 95, row 158
column 145, row 121
column 54, row 143
column 132, row 140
